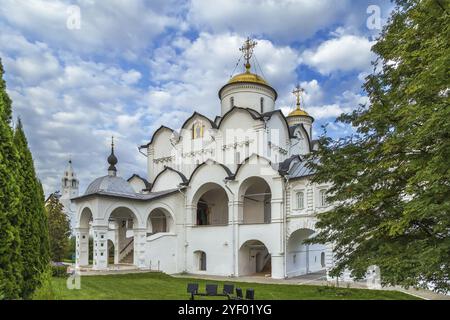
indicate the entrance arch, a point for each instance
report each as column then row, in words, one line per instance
column 256, row 197
column 211, row 205
column 159, row 220
column 121, row 223
column 84, row 244
column 254, row 259
column 303, row 258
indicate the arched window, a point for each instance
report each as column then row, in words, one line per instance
column 231, row 102
column 262, row 105
column 323, row 198
column 200, row 256
column 300, row 196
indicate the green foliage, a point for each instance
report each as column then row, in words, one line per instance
column 58, row 227
column 59, row 271
column 46, row 290
column 391, row 178
column 11, row 265
column 33, row 229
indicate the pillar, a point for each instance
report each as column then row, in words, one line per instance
column 100, row 247
column 140, row 239
column 277, row 260
column 82, row 247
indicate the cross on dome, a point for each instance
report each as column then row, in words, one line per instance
column 297, row 93
column 247, row 49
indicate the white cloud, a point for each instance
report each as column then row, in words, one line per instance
column 190, row 79
column 345, row 53
column 113, row 27
column 285, row 20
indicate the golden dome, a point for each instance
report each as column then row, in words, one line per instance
column 298, row 112
column 248, row 77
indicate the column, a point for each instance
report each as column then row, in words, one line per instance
column 116, row 242
column 277, row 265
column 100, row 247
column 82, row 247
column 140, row 239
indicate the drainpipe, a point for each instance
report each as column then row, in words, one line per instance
column 234, row 226
column 180, row 187
column 285, row 224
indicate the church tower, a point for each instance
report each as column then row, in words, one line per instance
column 247, row 89
column 299, row 115
column 69, row 189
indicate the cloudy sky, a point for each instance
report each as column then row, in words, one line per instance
column 127, row 67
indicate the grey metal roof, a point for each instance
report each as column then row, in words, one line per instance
column 134, row 196
column 111, row 184
column 300, row 169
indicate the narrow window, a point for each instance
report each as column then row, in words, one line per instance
column 300, row 200
column 322, row 259
column 262, row 105
column 231, row 102
column 202, row 262
column 323, row 198
column 237, row 157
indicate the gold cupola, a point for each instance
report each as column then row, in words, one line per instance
column 247, row 89
column 298, row 115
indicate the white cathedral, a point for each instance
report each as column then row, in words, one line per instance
column 229, row 196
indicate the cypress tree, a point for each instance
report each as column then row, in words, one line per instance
column 10, row 259
column 33, row 230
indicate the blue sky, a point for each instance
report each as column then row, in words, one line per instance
column 132, row 66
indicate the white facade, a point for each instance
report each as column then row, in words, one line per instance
column 228, row 197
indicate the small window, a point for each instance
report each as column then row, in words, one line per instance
column 323, row 198
column 322, row 259
column 300, row 196
column 197, row 130
column 237, row 157
column 262, row 105
column 231, row 102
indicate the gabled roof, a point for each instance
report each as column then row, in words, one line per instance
column 200, row 115
column 301, row 127
column 147, row 184
column 154, row 135
column 227, row 170
column 167, row 168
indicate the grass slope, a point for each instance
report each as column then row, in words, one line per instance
column 158, row 286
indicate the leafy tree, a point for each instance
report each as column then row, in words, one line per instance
column 10, row 259
column 58, row 228
column 33, row 229
column 391, row 177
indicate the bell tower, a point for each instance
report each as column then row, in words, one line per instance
column 69, row 189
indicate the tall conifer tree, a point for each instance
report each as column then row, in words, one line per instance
column 10, row 259
column 33, row 229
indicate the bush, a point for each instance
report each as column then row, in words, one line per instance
column 45, row 291
column 59, row 270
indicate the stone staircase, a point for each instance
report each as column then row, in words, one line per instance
column 126, row 255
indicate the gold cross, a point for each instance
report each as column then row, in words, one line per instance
column 247, row 49
column 297, row 93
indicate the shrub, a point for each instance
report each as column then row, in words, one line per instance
column 59, row 270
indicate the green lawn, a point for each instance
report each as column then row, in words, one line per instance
column 161, row 286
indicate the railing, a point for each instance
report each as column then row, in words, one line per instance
column 124, row 251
